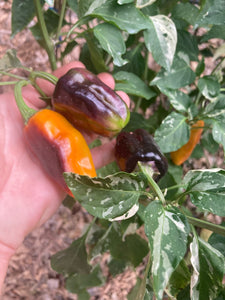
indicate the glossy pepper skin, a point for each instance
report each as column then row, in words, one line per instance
column 58, row 146
column 139, row 145
column 90, row 104
column 181, row 155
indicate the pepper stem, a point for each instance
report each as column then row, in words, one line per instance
column 25, row 110
column 39, row 74
column 148, row 172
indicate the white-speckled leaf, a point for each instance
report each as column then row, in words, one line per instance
column 114, row 197
column 111, row 40
column 161, row 40
column 172, row 133
column 209, row 267
column 179, row 76
column 178, row 99
column 126, row 17
column 207, row 190
column 167, row 231
column 218, row 131
column 144, row 3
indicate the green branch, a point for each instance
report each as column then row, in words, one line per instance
column 48, row 43
column 25, row 110
column 207, row 225
column 147, row 171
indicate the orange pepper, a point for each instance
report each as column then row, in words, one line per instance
column 181, row 155
column 58, row 146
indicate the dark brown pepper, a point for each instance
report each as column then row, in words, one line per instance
column 139, row 145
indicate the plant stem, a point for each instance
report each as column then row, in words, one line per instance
column 8, row 82
column 62, row 13
column 207, row 225
column 40, row 74
column 177, row 186
column 141, row 291
column 12, row 75
column 25, row 110
column 148, row 173
column 217, row 66
column 48, row 43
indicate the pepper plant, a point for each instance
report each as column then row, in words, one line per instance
column 158, row 52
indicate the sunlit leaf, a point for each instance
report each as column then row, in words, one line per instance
column 209, row 268
column 133, row 85
column 111, row 40
column 207, row 190
column 113, row 197
column 121, row 16
column 172, row 133
column 161, row 40
column 167, row 230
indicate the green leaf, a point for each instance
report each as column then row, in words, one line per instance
column 10, row 61
column 116, row 266
column 72, row 260
column 186, row 11
column 167, row 230
column 209, row 143
column 179, row 279
column 144, row 3
column 84, row 6
column 212, row 13
column 200, row 67
column 132, row 249
column 113, row 197
column 51, row 20
column 124, row 1
column 209, row 266
column 84, row 295
column 133, row 85
column 161, row 39
column 187, row 44
column 207, row 190
column 184, row 294
column 209, row 87
column 216, row 108
column 96, row 53
column 111, row 40
column 135, row 60
column 22, row 13
column 218, row 131
column 137, row 121
column 179, row 76
column 172, row 133
column 121, row 16
column 217, row 241
column 82, row 281
column 217, row 31
column 178, row 99
column 69, row 47
column 69, row 202
column 109, row 169
column 73, row 4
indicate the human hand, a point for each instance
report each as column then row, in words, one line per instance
column 28, row 197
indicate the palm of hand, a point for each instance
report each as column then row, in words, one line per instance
column 28, row 197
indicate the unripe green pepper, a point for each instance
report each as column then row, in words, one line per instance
column 139, row 146
column 90, row 104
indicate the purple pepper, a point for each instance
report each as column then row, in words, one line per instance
column 90, row 104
